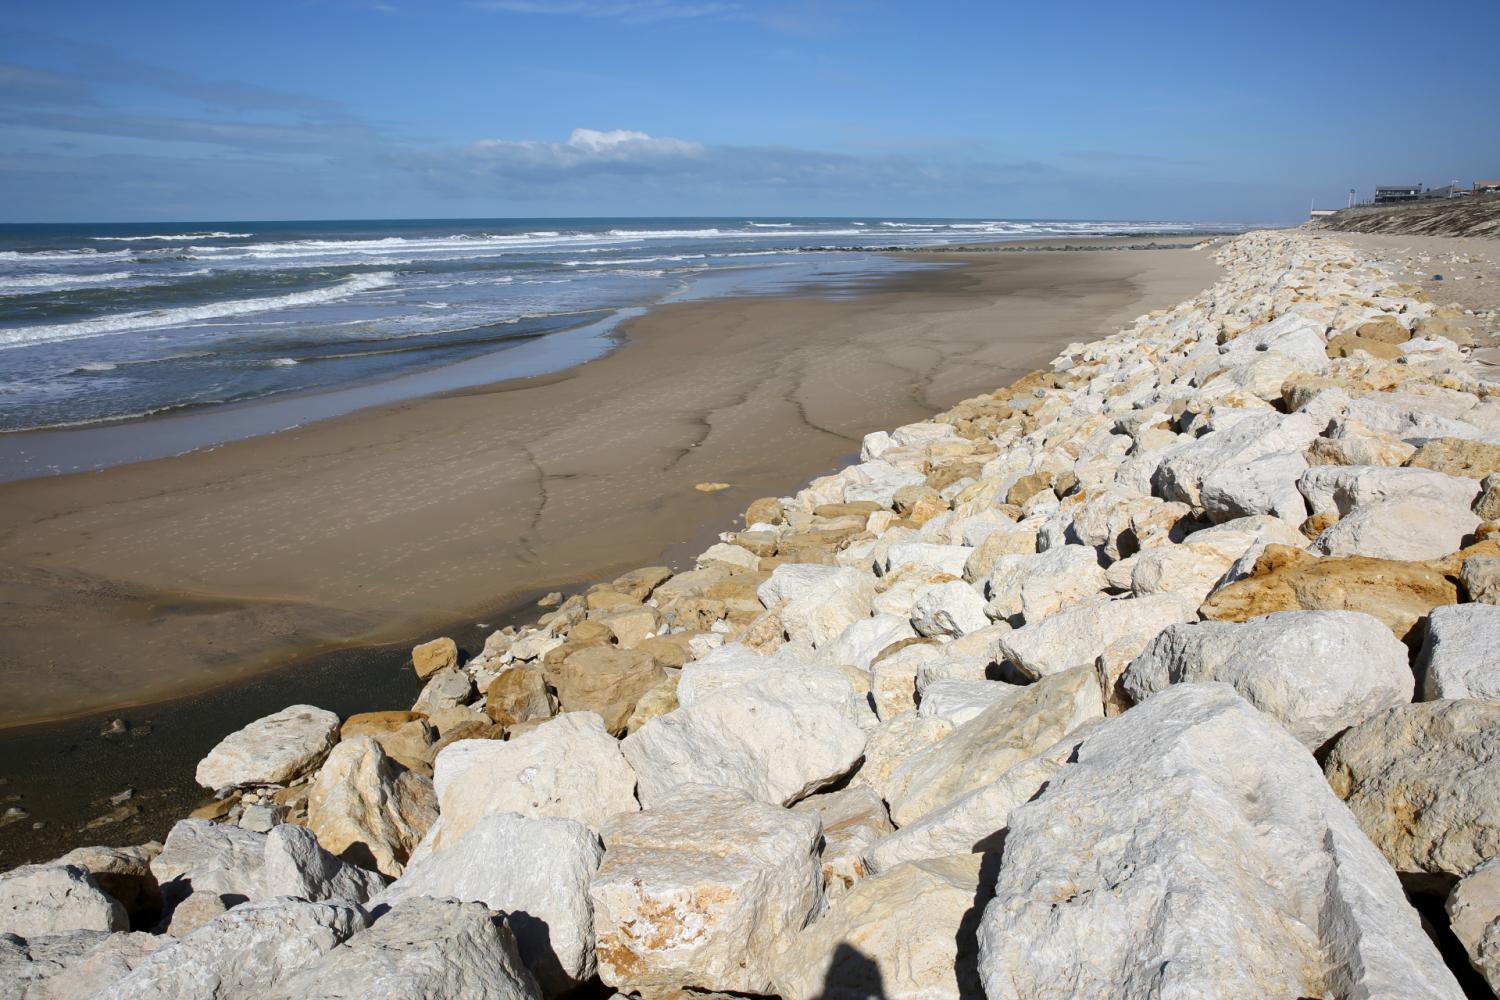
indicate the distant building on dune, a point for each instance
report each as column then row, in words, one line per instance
column 1486, row 187
column 1322, row 213
column 1387, row 194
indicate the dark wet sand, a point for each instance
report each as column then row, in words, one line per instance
column 300, row 567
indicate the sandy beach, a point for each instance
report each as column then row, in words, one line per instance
column 164, row 578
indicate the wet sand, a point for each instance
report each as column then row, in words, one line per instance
column 164, row 578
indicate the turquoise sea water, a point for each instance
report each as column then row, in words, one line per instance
column 102, row 323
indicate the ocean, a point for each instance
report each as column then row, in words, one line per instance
column 107, row 323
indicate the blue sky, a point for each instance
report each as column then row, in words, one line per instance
column 156, row 111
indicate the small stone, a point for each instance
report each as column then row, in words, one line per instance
column 518, row 695
column 1481, row 578
column 711, row 487
column 448, row 687
column 606, row 681
column 766, row 510
column 261, row 818
column 430, row 657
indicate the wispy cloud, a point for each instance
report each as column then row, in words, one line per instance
column 628, row 165
column 628, row 11
column 34, row 85
column 1110, row 156
column 59, row 85
column 247, row 136
column 91, row 64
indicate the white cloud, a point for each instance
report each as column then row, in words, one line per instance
column 585, row 147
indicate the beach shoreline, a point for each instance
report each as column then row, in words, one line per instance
column 207, row 568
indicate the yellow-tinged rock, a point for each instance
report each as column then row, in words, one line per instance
column 430, row 657
column 1399, row 593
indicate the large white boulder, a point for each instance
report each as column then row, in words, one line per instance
column 122, row 872
column 422, row 948
column 948, row 609
column 1043, row 583
column 1424, row 782
column 271, row 751
column 1180, row 475
column 905, row 935
column 1292, row 335
column 1460, row 655
column 958, row 701
column 296, row 866
column 36, row 900
column 1339, row 489
column 1411, row 530
column 1192, row 849
column 820, row 601
column 853, row 818
column 735, row 665
column 863, row 640
column 976, row 821
column 537, row 872
column 703, row 892
column 243, row 953
column 1079, row 635
column 1474, row 915
column 199, row 856
column 1266, row 485
column 879, row 480
column 567, row 767
column 949, row 559
column 1315, row 672
column 895, row 741
column 992, row 742
column 367, row 809
column 1189, row 571
column 777, row 738
column 75, row 964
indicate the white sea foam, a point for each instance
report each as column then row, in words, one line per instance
column 23, row 336
column 637, row 260
column 175, row 236
column 30, row 284
column 81, row 255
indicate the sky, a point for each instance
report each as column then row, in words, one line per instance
column 348, row 109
